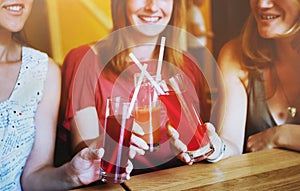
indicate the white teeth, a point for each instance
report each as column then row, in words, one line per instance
column 14, row 8
column 150, row 19
column 269, row 17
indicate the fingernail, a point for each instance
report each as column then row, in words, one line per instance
column 187, row 158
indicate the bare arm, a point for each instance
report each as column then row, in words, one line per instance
column 85, row 128
column 39, row 173
column 230, row 110
column 282, row 136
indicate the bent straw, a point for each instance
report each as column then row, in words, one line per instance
column 160, row 58
column 149, row 77
column 136, row 90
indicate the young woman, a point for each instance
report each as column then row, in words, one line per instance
column 261, row 70
column 29, row 101
column 92, row 73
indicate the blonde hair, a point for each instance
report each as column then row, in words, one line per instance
column 120, row 62
column 259, row 52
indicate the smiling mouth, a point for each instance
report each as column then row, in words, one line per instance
column 14, row 8
column 149, row 19
column 268, row 17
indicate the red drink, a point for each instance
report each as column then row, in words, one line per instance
column 116, row 146
column 191, row 130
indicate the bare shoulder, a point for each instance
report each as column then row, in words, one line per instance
column 230, row 59
column 54, row 71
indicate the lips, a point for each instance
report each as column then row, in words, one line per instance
column 151, row 19
column 14, row 7
column 269, row 17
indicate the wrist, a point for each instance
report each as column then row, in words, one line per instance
column 70, row 173
column 219, row 153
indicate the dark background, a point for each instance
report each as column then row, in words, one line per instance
column 228, row 18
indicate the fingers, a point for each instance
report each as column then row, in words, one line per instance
column 129, row 168
column 254, row 145
column 139, row 142
column 127, row 172
column 213, row 136
column 184, row 157
column 138, row 145
column 98, row 153
column 137, row 129
column 133, row 151
column 177, row 146
column 211, row 129
column 172, row 132
column 176, row 142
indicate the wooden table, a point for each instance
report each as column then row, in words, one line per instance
column 103, row 187
column 274, row 169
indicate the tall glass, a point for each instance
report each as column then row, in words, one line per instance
column 184, row 117
column 147, row 114
column 117, row 134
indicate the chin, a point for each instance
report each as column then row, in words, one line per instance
column 150, row 30
column 15, row 28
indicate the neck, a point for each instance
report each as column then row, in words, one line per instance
column 142, row 46
column 286, row 54
column 144, row 52
column 9, row 49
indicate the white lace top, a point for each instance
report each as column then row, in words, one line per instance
column 17, row 128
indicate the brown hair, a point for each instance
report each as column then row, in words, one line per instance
column 257, row 51
column 20, row 37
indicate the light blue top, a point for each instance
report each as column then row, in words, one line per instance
column 17, row 128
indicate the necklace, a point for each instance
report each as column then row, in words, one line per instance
column 292, row 110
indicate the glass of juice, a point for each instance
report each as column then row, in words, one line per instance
column 147, row 114
column 184, row 116
column 116, row 140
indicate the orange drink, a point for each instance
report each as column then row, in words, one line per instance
column 148, row 118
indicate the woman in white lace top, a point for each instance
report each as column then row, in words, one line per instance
column 29, row 100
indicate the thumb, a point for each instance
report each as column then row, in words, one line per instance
column 99, row 153
column 211, row 128
column 171, row 131
column 94, row 154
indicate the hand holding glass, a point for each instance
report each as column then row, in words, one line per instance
column 184, row 117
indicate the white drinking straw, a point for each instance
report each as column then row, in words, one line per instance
column 160, row 58
column 121, row 140
column 148, row 76
column 136, row 90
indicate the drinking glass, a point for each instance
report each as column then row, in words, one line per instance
column 147, row 113
column 184, row 117
column 116, row 141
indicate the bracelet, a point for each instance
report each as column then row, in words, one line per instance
column 222, row 151
column 102, row 175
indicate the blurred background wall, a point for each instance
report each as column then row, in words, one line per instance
column 56, row 26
